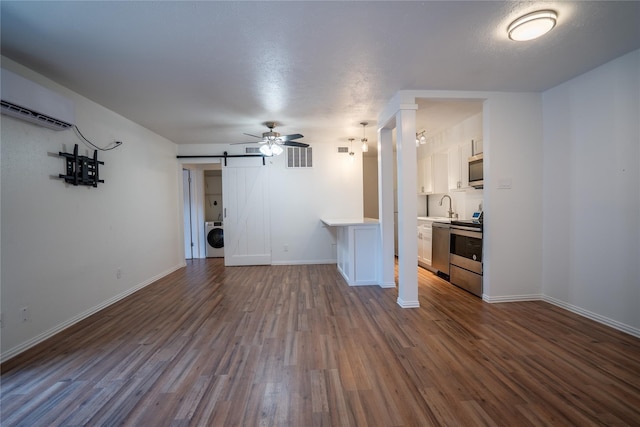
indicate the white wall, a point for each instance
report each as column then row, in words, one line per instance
column 63, row 245
column 591, row 244
column 512, row 141
column 513, row 217
column 300, row 197
column 332, row 188
column 213, row 208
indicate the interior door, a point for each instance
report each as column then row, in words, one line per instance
column 247, row 235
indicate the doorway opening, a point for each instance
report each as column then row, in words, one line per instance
column 202, row 198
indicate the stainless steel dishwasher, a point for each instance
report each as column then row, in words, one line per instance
column 440, row 247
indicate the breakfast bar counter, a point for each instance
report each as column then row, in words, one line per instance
column 358, row 242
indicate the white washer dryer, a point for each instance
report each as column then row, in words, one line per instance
column 214, row 235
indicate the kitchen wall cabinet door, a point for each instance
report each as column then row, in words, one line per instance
column 425, row 175
column 440, row 167
column 432, row 174
column 458, row 173
column 455, row 180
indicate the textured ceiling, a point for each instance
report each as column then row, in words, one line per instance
column 205, row 72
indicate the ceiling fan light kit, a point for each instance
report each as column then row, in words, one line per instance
column 532, row 25
column 272, row 141
column 266, row 150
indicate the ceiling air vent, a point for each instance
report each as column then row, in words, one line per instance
column 252, row 150
column 343, row 149
column 299, row 157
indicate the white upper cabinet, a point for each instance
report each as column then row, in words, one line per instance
column 440, row 168
column 455, row 178
column 458, row 158
column 432, row 174
column 425, row 175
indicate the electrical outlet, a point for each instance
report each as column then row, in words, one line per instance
column 1, row 320
column 286, row 248
column 24, row 314
column 119, row 273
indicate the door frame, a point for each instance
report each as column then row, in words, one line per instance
column 187, row 205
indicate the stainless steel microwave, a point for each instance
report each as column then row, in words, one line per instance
column 476, row 172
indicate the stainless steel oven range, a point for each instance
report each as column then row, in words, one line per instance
column 466, row 256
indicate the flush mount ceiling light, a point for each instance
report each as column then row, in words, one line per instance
column 532, row 25
column 365, row 145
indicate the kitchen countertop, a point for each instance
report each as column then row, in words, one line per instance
column 338, row 222
column 341, row 222
column 435, row 218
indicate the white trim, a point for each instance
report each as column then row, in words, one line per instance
column 304, row 262
column 387, row 285
column 64, row 325
column 569, row 307
column 594, row 316
column 512, row 298
column 408, row 304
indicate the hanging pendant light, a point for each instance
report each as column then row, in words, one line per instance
column 364, row 140
column 352, row 155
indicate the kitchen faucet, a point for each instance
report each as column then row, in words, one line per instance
column 450, row 211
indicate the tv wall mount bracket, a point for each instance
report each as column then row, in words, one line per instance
column 82, row 170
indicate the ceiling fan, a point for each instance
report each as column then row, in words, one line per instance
column 273, row 140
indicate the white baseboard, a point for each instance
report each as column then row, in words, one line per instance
column 64, row 325
column 569, row 307
column 387, row 284
column 304, row 262
column 512, row 298
column 594, row 316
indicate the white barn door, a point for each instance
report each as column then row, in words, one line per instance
column 247, row 234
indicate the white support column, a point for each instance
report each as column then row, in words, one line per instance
column 407, row 206
column 386, row 263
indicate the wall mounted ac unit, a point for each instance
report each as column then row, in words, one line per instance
column 34, row 103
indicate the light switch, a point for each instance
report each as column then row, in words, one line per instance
column 504, row 184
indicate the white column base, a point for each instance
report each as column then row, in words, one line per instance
column 408, row 304
column 388, row 285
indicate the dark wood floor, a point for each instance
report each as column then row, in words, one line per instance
column 295, row 346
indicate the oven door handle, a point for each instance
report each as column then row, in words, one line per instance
column 466, row 231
